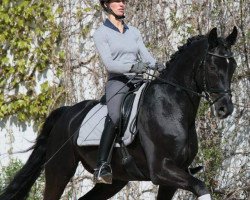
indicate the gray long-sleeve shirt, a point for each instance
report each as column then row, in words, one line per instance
column 119, row 51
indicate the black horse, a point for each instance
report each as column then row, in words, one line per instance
column 166, row 143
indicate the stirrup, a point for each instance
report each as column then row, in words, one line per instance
column 103, row 178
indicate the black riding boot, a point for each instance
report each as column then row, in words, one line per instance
column 103, row 173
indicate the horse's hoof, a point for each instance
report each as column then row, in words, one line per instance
column 195, row 170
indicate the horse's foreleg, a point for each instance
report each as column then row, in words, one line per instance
column 165, row 192
column 104, row 191
column 169, row 174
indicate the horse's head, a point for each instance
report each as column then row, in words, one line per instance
column 219, row 68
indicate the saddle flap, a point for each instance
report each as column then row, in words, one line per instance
column 93, row 124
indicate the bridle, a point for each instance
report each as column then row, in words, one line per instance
column 231, row 55
column 207, row 91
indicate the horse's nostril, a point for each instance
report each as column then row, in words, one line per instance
column 222, row 111
column 222, row 108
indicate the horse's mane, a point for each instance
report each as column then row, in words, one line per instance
column 174, row 56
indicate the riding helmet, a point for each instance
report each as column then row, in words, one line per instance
column 102, row 2
column 108, row 10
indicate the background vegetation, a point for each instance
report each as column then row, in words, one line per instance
column 48, row 59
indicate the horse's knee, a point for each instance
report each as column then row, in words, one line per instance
column 160, row 179
column 178, row 178
column 157, row 178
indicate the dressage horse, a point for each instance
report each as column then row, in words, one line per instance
column 166, row 142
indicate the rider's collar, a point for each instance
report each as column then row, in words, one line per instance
column 109, row 24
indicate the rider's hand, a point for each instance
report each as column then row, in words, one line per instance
column 159, row 66
column 139, row 68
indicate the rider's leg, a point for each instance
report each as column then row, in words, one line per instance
column 115, row 91
column 103, row 173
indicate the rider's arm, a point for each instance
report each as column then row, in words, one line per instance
column 113, row 66
column 146, row 57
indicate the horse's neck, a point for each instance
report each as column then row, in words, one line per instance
column 183, row 69
column 180, row 98
column 186, row 73
column 183, row 75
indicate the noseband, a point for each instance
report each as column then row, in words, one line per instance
column 221, row 56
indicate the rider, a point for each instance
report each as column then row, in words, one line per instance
column 122, row 51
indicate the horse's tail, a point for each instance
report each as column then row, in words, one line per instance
column 21, row 184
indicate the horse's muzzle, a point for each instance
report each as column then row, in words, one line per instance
column 224, row 107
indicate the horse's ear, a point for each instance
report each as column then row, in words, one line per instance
column 231, row 39
column 213, row 38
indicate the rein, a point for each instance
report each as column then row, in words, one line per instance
column 207, row 91
column 164, row 81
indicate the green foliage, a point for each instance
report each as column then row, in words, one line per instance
column 86, row 30
column 29, row 37
column 213, row 157
column 203, row 108
column 210, row 152
column 8, row 172
column 37, row 189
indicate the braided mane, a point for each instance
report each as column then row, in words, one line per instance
column 175, row 55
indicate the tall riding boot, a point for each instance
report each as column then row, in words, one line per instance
column 103, row 173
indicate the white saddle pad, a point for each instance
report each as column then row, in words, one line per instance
column 93, row 124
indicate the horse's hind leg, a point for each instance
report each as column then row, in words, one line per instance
column 104, row 191
column 59, row 170
column 165, row 192
column 56, row 179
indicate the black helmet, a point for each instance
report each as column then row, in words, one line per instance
column 102, row 2
column 108, row 10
